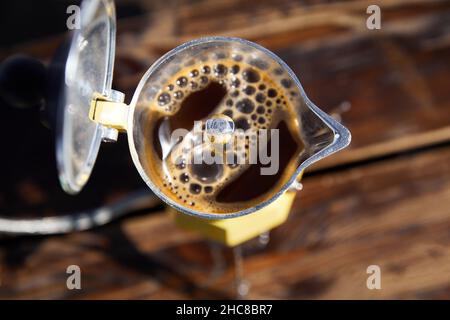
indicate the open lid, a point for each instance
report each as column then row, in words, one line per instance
column 88, row 70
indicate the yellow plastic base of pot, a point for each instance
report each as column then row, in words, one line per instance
column 232, row 232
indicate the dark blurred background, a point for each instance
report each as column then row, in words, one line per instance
column 383, row 201
column 29, row 178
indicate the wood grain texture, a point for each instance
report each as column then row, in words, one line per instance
column 395, row 214
column 390, row 87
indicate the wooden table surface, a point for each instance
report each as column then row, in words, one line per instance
column 384, row 201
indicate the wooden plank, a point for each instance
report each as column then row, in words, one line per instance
column 394, row 214
column 389, row 90
column 389, row 86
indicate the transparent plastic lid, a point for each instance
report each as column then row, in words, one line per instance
column 88, row 69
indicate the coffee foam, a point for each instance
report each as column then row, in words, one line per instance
column 258, row 94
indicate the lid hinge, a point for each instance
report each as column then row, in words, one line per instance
column 110, row 112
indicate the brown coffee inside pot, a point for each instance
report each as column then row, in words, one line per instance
column 256, row 96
